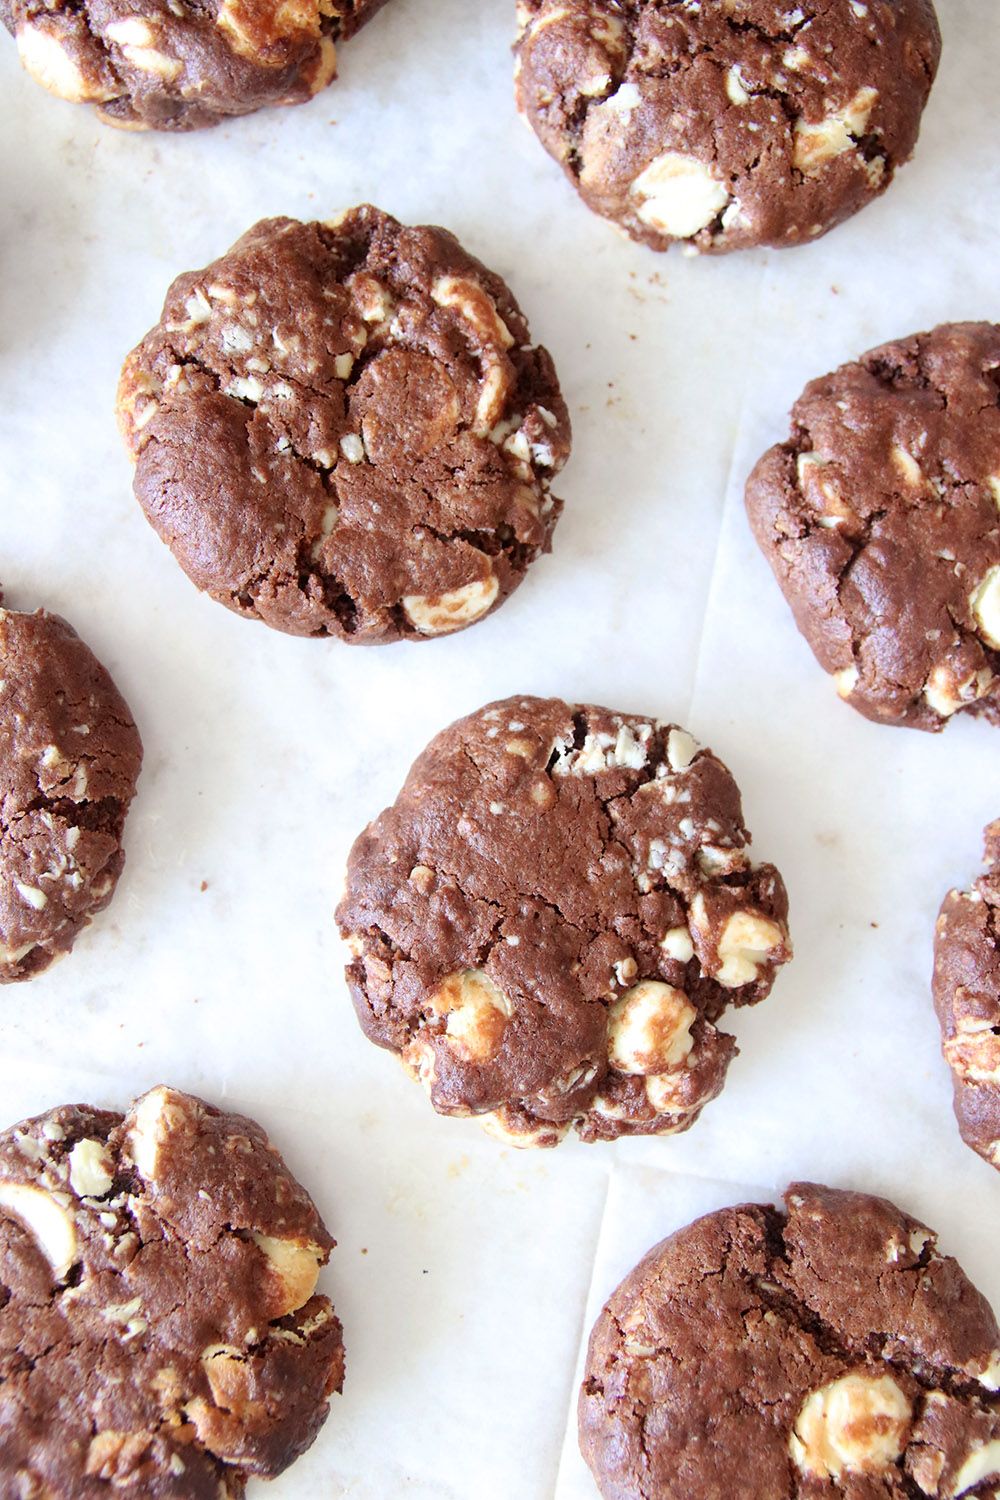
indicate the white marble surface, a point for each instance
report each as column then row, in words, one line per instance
column 466, row 1275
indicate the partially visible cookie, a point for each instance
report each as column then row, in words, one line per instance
column 344, row 429
column 178, row 64
column 967, row 1000
column 160, row 1331
column 69, row 760
column 826, row 1351
column 880, row 518
column 551, row 919
column 729, row 123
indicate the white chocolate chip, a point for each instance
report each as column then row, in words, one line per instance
column 476, row 306
column 748, row 939
column 907, row 465
column 678, row 195
column 816, row 145
column 985, row 606
column 90, row 1174
column 476, row 1011
column 677, row 944
column 649, row 1029
column 352, row 448
column 47, row 1220
column 735, row 87
column 542, row 1134
column 846, row 681
column 855, row 1425
column 946, row 696
column 451, row 610
column 295, row 1267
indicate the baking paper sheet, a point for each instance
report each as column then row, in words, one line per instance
column 467, row 1276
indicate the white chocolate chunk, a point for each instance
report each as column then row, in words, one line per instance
column 451, row 610
column 678, row 195
column 47, row 1220
column 90, row 1174
column 32, row 895
column 44, row 56
column 855, row 1425
column 982, row 1463
column 818, row 144
column 295, row 1265
column 476, row 306
column 681, row 749
column 543, row 1134
column 736, row 89
column 907, row 465
column 154, row 1116
column 985, row 606
column 946, row 696
column 649, row 1029
column 476, row 1011
column 135, row 36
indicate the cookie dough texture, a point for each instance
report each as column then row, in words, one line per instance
column 880, row 517
column 160, row 1334
column 967, row 1000
column 344, row 429
column 69, row 760
column 550, row 921
column 178, row 64
column 828, row 1350
column 726, row 123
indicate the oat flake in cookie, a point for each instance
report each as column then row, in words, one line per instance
column 967, row 1000
column 551, row 919
column 160, row 1334
column 69, row 760
column 178, row 64
column 726, row 123
column 829, row 1350
column 880, row 517
column 344, row 429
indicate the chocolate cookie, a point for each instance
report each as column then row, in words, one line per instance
column 881, row 520
column 179, row 64
column 550, row 920
column 343, row 429
column 761, row 1355
column 967, row 1000
column 159, row 1329
column 69, row 759
column 729, row 123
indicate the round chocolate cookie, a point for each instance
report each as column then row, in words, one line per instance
column 728, row 123
column 880, row 518
column 967, row 1000
column 181, row 64
column 551, row 919
column 828, row 1350
column 159, row 1329
column 69, row 760
column 343, row 429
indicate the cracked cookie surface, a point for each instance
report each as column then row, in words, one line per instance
column 69, row 760
column 343, row 429
column 967, row 1000
column 182, row 64
column 880, row 518
column 829, row 1350
column 159, row 1328
column 729, row 123
column 551, row 919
